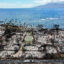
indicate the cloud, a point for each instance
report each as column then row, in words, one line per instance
column 42, row 1
column 46, row 1
column 15, row 5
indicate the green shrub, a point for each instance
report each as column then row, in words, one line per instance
column 1, row 41
column 23, row 49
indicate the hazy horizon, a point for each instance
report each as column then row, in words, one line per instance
column 26, row 3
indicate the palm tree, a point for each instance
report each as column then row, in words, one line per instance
column 40, row 27
column 56, row 27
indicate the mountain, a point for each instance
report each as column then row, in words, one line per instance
column 52, row 5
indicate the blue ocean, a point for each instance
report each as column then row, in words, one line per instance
column 34, row 16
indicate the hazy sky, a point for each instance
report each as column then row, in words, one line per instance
column 24, row 3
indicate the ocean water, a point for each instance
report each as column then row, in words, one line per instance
column 34, row 16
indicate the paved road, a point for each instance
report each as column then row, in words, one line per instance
column 30, row 61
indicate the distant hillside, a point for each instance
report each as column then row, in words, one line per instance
column 52, row 5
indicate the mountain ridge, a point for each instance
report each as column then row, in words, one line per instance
column 52, row 5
